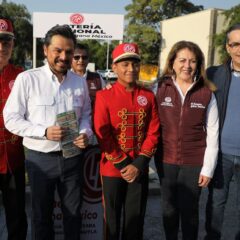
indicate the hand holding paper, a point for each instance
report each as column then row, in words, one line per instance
column 81, row 141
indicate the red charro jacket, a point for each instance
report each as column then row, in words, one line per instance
column 11, row 149
column 127, row 126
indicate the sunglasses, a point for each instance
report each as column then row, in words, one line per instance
column 77, row 57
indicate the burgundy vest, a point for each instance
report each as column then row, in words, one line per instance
column 94, row 84
column 183, row 131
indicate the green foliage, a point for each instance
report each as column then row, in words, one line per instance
column 98, row 52
column 40, row 53
column 144, row 18
column 148, row 40
column 20, row 17
column 232, row 17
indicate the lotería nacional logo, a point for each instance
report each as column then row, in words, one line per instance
column 142, row 100
column 168, row 99
column 3, row 25
column 167, row 102
column 92, row 191
column 76, row 18
column 129, row 48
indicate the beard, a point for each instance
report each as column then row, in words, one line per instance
column 62, row 65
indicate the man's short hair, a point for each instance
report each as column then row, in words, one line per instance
column 232, row 28
column 81, row 46
column 62, row 30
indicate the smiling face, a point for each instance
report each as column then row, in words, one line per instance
column 233, row 48
column 185, row 65
column 127, row 71
column 80, row 61
column 59, row 54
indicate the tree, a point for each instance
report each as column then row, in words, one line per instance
column 98, row 52
column 20, row 17
column 232, row 16
column 144, row 18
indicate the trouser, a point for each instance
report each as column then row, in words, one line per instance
column 227, row 167
column 12, row 186
column 48, row 172
column 129, row 198
column 180, row 198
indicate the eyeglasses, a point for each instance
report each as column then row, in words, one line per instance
column 234, row 45
column 77, row 57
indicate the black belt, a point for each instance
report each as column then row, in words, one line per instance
column 57, row 153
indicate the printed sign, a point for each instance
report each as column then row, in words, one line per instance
column 85, row 26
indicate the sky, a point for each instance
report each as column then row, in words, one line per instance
column 103, row 6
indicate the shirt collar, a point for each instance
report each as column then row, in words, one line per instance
column 51, row 75
column 236, row 73
column 174, row 79
column 84, row 75
column 119, row 85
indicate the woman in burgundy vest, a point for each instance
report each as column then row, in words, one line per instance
column 188, row 148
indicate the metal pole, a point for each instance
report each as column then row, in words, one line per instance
column 34, row 52
column 107, row 54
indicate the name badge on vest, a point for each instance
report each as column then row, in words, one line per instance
column 93, row 86
column 196, row 105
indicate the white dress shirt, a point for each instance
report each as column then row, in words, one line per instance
column 212, row 130
column 93, row 139
column 35, row 100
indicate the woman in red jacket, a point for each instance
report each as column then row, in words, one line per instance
column 189, row 140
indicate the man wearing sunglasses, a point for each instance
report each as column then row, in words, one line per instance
column 227, row 79
column 12, row 170
column 79, row 66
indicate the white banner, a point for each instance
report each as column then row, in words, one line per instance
column 85, row 26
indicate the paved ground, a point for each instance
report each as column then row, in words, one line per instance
column 153, row 223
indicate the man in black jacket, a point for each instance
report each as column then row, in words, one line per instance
column 227, row 79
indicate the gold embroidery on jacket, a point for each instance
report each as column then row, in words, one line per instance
column 124, row 124
column 111, row 158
